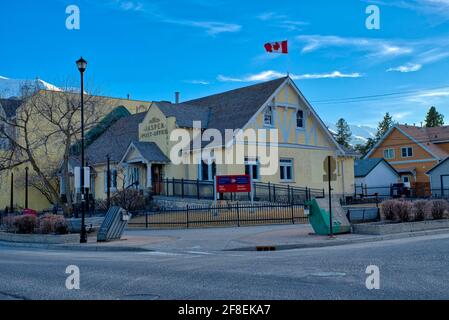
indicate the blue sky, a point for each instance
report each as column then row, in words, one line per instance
column 150, row 49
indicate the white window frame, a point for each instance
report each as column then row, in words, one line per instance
column 210, row 173
column 283, row 168
column 114, row 173
column 407, row 148
column 251, row 163
column 389, row 150
column 303, row 119
column 403, row 179
column 268, row 112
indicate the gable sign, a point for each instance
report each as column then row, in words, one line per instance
column 154, row 128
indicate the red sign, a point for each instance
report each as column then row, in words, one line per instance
column 236, row 184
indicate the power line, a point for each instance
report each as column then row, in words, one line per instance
column 392, row 95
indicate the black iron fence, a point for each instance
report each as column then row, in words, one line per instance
column 231, row 214
column 268, row 192
column 364, row 194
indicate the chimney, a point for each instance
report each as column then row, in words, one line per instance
column 177, row 97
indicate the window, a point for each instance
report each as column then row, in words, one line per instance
column 286, row 169
column 252, row 168
column 405, row 179
column 268, row 116
column 407, row 152
column 113, row 180
column 389, row 153
column 300, row 119
column 133, row 177
column 207, row 171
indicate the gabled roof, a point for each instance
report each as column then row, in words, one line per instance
column 115, row 140
column 10, row 106
column 148, row 150
column 185, row 113
column 233, row 109
column 439, row 164
column 426, row 138
column 363, row 167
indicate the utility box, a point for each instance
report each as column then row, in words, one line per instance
column 113, row 225
column 319, row 217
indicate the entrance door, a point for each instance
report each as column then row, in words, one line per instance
column 156, row 178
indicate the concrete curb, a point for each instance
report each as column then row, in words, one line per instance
column 75, row 247
column 337, row 242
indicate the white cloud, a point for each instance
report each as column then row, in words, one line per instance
column 270, row 75
column 410, row 67
column 282, row 21
column 211, row 27
column 331, row 75
column 152, row 11
column 266, row 16
column 202, row 82
column 131, row 6
column 373, row 47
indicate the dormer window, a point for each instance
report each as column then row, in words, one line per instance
column 300, row 119
column 268, row 116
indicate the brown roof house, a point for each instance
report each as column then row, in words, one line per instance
column 413, row 151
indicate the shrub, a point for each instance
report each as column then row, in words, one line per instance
column 438, row 208
column 403, row 211
column 129, row 199
column 25, row 224
column 61, row 227
column 388, row 208
column 51, row 223
column 420, row 209
column 9, row 223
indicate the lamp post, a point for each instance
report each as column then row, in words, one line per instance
column 26, row 188
column 108, row 182
column 82, row 64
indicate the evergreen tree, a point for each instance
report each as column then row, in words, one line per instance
column 434, row 118
column 344, row 133
column 384, row 126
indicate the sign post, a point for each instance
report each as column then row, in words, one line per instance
column 330, row 165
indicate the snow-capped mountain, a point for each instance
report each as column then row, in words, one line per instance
column 14, row 87
column 360, row 134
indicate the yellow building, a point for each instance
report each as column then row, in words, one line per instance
column 45, row 144
column 140, row 145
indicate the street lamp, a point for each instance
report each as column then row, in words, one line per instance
column 82, row 64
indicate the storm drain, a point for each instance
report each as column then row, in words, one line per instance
column 266, row 248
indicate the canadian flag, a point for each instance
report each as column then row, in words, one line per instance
column 277, row 47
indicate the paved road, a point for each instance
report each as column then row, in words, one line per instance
column 416, row 268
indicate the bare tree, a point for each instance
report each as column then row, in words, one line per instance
column 41, row 135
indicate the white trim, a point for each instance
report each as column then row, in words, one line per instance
column 378, row 143
column 407, row 156
column 412, row 161
column 394, row 153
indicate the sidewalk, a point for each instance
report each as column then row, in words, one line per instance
column 275, row 237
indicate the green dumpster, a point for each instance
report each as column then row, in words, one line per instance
column 319, row 217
